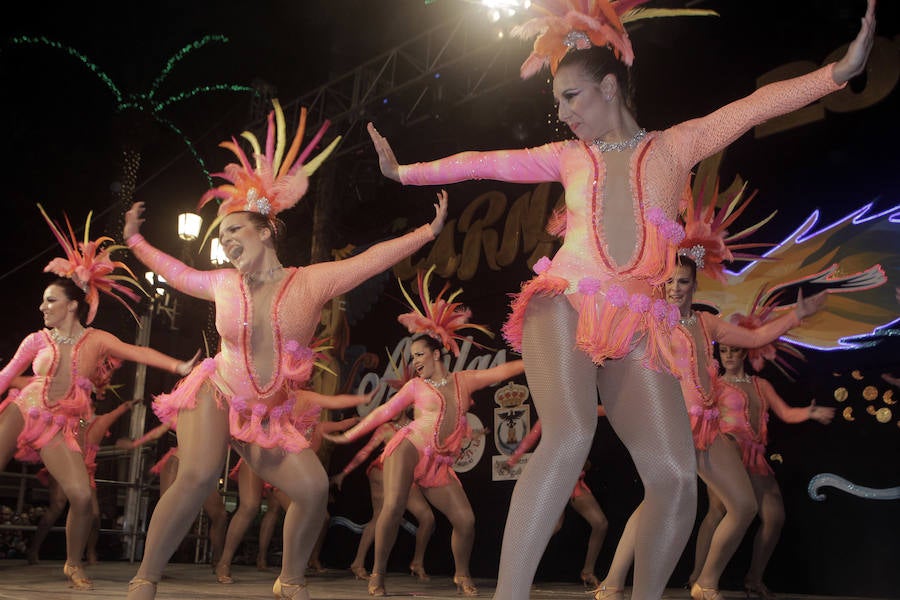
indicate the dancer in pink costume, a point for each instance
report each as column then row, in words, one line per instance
column 166, row 468
column 252, row 392
column 416, row 504
column 702, row 390
column 45, row 421
column 91, row 438
column 744, row 414
column 423, row 452
column 581, row 500
column 594, row 316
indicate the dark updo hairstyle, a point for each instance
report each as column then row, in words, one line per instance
column 275, row 226
column 73, row 292
column 686, row 261
column 598, row 62
column 432, row 342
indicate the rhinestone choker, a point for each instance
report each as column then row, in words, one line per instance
column 734, row 379
column 440, row 383
column 689, row 321
column 622, row 145
column 64, row 339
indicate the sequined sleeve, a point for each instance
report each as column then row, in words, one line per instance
column 527, row 443
column 697, row 139
column 23, row 357
column 384, row 413
column 139, row 354
column 376, row 440
column 183, row 278
column 529, row 165
column 481, row 378
column 732, row 335
column 330, row 279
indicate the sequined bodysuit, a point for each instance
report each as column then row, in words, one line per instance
column 745, row 417
column 266, row 413
column 611, row 269
column 440, row 424
column 57, row 399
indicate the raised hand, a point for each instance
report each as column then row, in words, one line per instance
column 440, row 210
column 133, row 220
column 386, row 159
column 822, row 414
column 185, row 367
column 854, row 61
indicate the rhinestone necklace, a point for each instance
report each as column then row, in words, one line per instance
column 689, row 321
column 735, row 379
column 628, row 144
column 64, row 339
column 262, row 276
column 443, row 381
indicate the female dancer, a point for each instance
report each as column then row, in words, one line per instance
column 423, row 453
column 91, row 438
column 44, row 421
column 416, row 503
column 166, row 468
column 700, row 385
column 251, row 490
column 266, row 315
column 743, row 419
column 582, row 500
column 597, row 303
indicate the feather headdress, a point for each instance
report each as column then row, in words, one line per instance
column 277, row 181
column 760, row 312
column 580, row 24
column 440, row 318
column 706, row 240
column 91, row 267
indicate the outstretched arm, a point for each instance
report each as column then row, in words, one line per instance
column 185, row 279
column 147, row 356
column 152, row 435
column 101, row 423
column 359, row 458
column 733, row 335
column 526, row 444
column 485, row 377
column 380, row 415
column 334, row 278
column 531, row 165
column 335, row 402
column 793, row 414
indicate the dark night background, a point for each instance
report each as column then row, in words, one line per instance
column 63, row 140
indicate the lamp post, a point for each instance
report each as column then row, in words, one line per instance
column 161, row 301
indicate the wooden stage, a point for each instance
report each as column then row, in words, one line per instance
column 45, row 581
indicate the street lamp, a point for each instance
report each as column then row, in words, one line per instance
column 217, row 254
column 189, row 226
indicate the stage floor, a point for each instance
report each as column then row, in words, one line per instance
column 46, row 582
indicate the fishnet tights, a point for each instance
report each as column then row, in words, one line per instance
column 652, row 423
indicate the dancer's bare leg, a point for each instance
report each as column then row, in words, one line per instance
column 67, row 467
column 714, row 516
column 267, row 532
column 376, row 487
column 94, row 535
column 202, row 445
column 302, row 478
column 250, row 488
column 418, row 506
column 771, row 515
column 452, row 501
column 11, row 424
column 218, row 522
column 399, row 469
column 562, row 382
column 55, row 507
column 586, row 506
column 724, row 473
column 646, row 410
